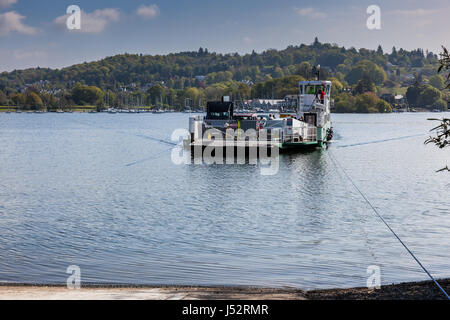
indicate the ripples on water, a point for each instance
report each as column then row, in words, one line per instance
column 100, row 191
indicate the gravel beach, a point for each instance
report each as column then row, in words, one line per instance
column 425, row 290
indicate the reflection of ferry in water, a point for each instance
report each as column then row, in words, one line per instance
column 309, row 126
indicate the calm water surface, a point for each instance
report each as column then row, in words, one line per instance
column 100, row 191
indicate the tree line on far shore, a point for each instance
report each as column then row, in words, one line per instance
column 360, row 78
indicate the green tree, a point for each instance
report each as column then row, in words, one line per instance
column 278, row 73
column 18, row 99
column 86, row 95
column 437, row 81
column 365, row 85
column 331, row 59
column 355, row 74
column 413, row 94
column 3, row 99
column 33, row 101
column 429, row 95
column 336, row 87
column 345, row 103
column 316, row 43
column 380, row 50
column 441, row 105
column 367, row 103
column 49, row 100
column 155, row 93
column 194, row 94
column 383, row 106
column 377, row 74
column 305, row 70
column 244, row 90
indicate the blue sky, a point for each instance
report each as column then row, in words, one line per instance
column 33, row 33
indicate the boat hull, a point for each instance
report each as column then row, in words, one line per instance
column 298, row 146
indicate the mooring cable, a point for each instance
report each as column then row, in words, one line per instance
column 152, row 138
column 155, row 139
column 384, row 221
column 152, row 157
column 380, row 141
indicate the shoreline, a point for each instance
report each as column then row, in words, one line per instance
column 80, row 109
column 422, row 290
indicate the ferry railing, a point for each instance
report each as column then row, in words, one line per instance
column 271, row 134
column 309, row 133
column 296, row 135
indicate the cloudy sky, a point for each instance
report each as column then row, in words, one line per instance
column 34, row 33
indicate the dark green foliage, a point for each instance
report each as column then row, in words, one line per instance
column 376, row 73
column 345, row 103
column 178, row 70
column 365, row 85
column 365, row 103
column 437, row 81
column 277, row 88
column 383, row 106
column 423, row 95
column 413, row 94
column 168, row 80
column 86, row 95
column 429, row 95
column 3, row 99
column 33, row 100
column 331, row 58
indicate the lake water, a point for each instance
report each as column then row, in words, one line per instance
column 100, row 191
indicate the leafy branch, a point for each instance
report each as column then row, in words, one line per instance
column 444, row 62
column 442, row 138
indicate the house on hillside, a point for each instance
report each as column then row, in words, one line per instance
column 388, row 97
column 396, row 100
column 149, row 85
column 247, row 82
column 400, row 100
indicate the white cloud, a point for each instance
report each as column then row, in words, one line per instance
column 7, row 3
column 414, row 13
column 30, row 57
column 310, row 12
column 419, row 17
column 28, row 54
column 148, row 12
column 95, row 22
column 12, row 22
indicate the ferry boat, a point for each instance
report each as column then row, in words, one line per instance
column 308, row 127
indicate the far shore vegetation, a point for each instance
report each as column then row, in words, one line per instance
column 364, row 81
